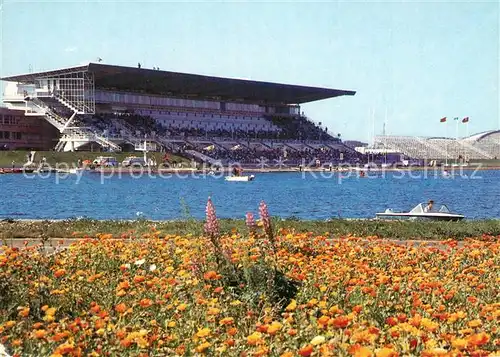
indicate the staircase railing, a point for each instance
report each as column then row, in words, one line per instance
column 203, row 157
column 67, row 104
column 49, row 115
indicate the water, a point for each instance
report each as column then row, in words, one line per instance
column 306, row 196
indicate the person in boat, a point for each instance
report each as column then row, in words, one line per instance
column 236, row 171
column 429, row 206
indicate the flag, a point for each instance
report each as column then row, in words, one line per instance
column 442, row 120
column 465, row 120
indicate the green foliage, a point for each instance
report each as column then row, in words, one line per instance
column 337, row 228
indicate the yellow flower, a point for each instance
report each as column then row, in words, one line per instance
column 201, row 348
column 292, row 306
column 474, row 323
column 459, row 343
column 204, row 332
column 274, row 327
column 386, row 352
column 429, row 324
column 254, row 338
column 226, row 321
column 318, row 340
column 213, row 311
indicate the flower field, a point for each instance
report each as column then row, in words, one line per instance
column 252, row 293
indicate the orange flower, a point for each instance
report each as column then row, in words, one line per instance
column 139, row 279
column 59, row 273
column 210, row 275
column 472, row 299
column 478, row 339
column 40, row 334
column 360, row 351
column 227, row 321
column 323, row 320
column 23, row 311
column 145, row 303
column 124, row 285
column 121, row 308
column 64, row 349
column 306, row 351
column 340, row 322
column 60, row 336
column 292, row 332
column 232, row 331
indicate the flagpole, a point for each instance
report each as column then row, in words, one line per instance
column 446, row 136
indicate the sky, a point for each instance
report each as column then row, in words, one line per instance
column 411, row 63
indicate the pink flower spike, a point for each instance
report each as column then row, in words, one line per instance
column 250, row 221
column 211, row 224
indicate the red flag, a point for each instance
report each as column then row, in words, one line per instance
column 465, row 120
column 442, row 120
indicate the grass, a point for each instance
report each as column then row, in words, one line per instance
column 402, row 230
column 53, row 157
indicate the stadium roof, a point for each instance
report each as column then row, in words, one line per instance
column 190, row 85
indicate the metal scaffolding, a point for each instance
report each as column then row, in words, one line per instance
column 75, row 89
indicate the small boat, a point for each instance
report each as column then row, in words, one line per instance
column 70, row 171
column 419, row 212
column 76, row 170
column 16, row 170
column 240, row 178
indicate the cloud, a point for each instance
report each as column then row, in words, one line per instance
column 71, row 49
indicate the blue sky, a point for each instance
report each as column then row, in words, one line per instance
column 411, row 63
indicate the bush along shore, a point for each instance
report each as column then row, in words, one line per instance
column 336, row 228
column 253, row 288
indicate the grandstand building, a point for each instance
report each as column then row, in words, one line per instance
column 482, row 146
column 124, row 108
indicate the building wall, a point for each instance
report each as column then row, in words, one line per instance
column 18, row 131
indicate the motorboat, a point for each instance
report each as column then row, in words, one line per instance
column 16, row 170
column 73, row 170
column 420, row 212
column 240, row 178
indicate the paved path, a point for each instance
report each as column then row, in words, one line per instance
column 53, row 245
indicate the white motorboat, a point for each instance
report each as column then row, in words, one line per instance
column 420, row 212
column 69, row 171
column 240, row 178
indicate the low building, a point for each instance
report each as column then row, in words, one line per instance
column 20, row 132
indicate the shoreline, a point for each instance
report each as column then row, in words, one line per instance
column 350, row 170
